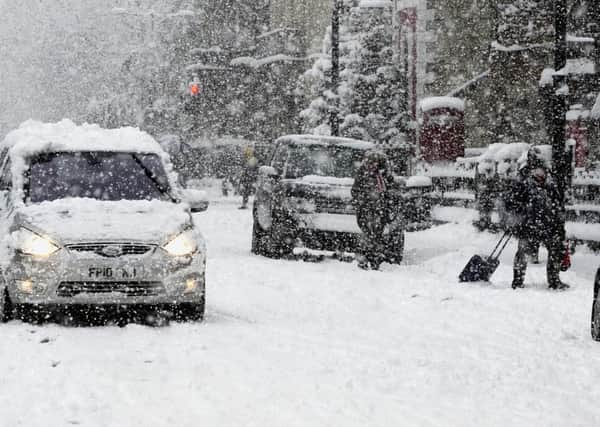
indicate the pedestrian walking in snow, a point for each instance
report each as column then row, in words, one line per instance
column 486, row 195
column 249, row 176
column 535, row 203
column 372, row 199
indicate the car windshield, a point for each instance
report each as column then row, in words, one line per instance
column 96, row 175
column 321, row 160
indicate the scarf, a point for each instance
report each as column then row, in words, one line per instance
column 380, row 183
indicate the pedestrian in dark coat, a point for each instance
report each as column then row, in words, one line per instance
column 536, row 203
column 372, row 199
column 248, row 177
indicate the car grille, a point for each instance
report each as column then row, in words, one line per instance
column 334, row 205
column 119, row 249
column 130, row 289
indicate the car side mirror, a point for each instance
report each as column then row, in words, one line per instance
column 197, row 199
column 268, row 172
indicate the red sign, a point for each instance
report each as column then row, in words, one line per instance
column 195, row 89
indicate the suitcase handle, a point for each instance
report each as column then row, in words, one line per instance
column 502, row 245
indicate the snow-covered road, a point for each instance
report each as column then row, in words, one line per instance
column 301, row 344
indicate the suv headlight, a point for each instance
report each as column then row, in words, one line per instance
column 31, row 243
column 182, row 245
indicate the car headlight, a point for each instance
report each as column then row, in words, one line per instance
column 182, row 245
column 31, row 243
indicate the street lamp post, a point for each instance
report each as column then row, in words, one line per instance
column 560, row 159
column 335, row 66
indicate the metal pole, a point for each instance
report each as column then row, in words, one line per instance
column 595, row 14
column 395, row 34
column 335, row 66
column 560, row 158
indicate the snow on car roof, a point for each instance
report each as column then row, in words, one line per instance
column 326, row 140
column 511, row 151
column 34, row 137
column 375, row 4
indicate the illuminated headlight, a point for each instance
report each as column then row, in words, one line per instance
column 29, row 287
column 182, row 245
column 300, row 205
column 30, row 243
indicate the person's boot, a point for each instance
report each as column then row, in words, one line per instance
column 518, row 280
column 516, row 284
column 558, row 285
column 553, row 275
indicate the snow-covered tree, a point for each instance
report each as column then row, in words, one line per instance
column 458, row 55
column 372, row 96
column 521, row 50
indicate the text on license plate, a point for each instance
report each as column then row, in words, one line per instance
column 116, row 273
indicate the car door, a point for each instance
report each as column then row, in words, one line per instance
column 266, row 185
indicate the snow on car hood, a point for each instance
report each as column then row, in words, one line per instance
column 88, row 220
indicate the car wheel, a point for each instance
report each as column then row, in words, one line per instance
column 595, row 326
column 190, row 312
column 6, row 307
column 30, row 313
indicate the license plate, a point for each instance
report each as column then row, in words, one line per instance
column 114, row 273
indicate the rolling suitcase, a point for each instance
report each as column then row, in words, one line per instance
column 479, row 268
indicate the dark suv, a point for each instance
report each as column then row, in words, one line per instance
column 305, row 196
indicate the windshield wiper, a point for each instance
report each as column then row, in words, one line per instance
column 161, row 189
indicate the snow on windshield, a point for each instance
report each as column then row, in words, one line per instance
column 96, row 175
column 321, row 160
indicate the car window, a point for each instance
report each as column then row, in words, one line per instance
column 320, row 160
column 280, row 157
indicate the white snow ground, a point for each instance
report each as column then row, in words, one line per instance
column 299, row 344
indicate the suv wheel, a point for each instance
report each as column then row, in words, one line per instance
column 6, row 307
column 258, row 237
column 277, row 242
column 595, row 326
column 595, row 329
column 190, row 312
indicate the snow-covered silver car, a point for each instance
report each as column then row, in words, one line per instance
column 94, row 217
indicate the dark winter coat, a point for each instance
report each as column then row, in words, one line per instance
column 537, row 209
column 372, row 198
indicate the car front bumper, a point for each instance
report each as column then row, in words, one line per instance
column 70, row 277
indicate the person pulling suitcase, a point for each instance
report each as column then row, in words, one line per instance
column 539, row 218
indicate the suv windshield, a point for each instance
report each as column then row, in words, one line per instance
column 96, row 175
column 321, row 160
